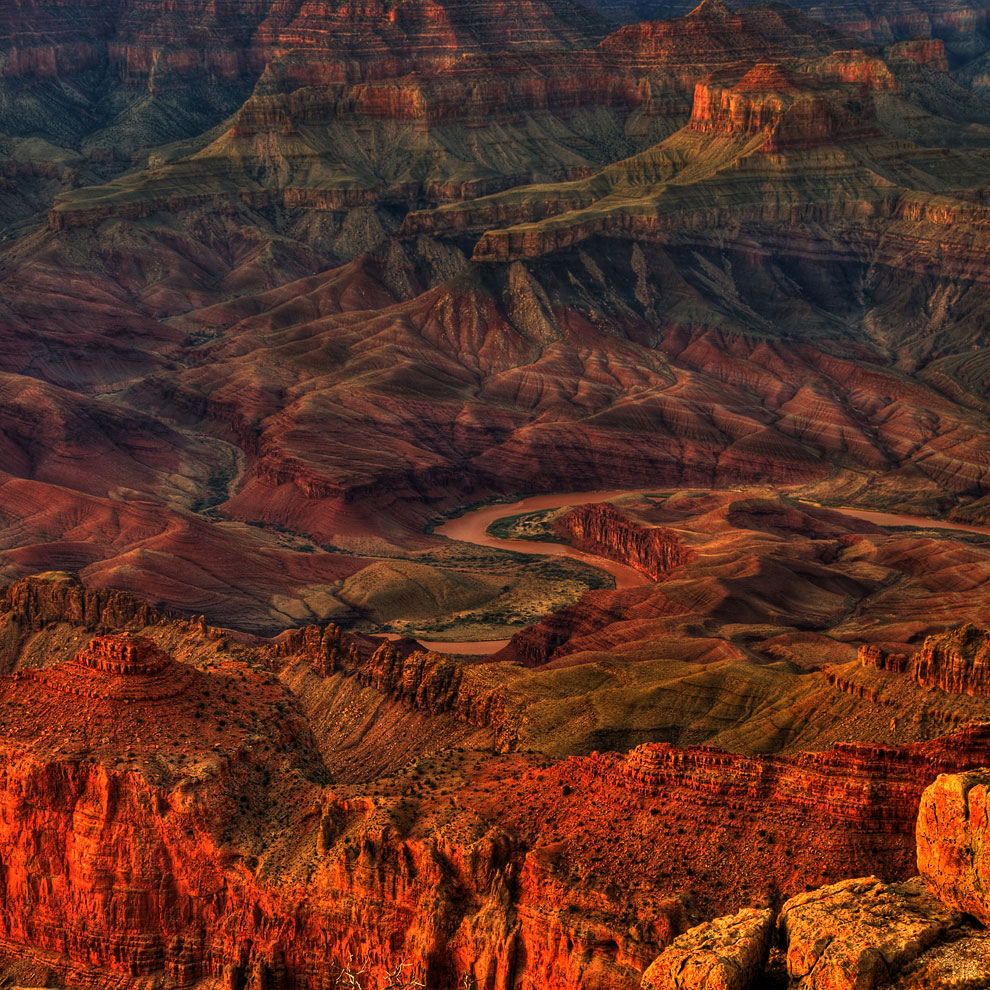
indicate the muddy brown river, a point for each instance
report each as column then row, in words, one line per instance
column 472, row 527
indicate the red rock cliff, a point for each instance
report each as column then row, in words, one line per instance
column 957, row 661
column 601, row 529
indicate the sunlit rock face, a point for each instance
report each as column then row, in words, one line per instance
column 951, row 842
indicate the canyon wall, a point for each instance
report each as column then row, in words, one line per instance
column 283, row 879
column 603, row 530
column 957, row 661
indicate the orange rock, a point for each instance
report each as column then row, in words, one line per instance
column 953, row 839
column 724, row 954
column 859, row 934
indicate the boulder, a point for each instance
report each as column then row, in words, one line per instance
column 859, row 934
column 725, row 954
column 952, row 834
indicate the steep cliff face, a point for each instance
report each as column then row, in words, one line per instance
column 861, row 933
column 60, row 597
column 957, row 661
column 602, row 530
column 148, row 43
column 433, row 683
column 734, row 830
column 187, row 812
column 326, row 649
column 425, row 682
column 757, row 116
column 115, row 759
column 425, row 71
column 789, row 114
column 49, row 617
column 194, row 834
column 131, row 74
column 952, row 841
column 823, row 784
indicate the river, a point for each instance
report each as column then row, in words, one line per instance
column 472, row 527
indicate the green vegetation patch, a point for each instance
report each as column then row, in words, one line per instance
column 537, row 526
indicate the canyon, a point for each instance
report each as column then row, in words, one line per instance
column 176, row 743
column 495, row 493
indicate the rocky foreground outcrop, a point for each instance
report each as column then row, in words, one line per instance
column 864, row 933
column 725, row 954
column 954, row 841
column 860, row 933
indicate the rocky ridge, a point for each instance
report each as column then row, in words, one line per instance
column 601, row 529
column 955, row 661
column 371, row 261
column 285, row 144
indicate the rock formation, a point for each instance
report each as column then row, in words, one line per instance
column 862, row 934
column 680, row 362
column 952, row 853
column 604, row 531
column 859, row 933
column 725, row 954
column 956, row 661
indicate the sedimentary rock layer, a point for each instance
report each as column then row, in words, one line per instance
column 602, row 530
column 955, row 661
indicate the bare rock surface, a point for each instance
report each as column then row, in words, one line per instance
column 953, row 830
column 859, row 934
column 724, row 954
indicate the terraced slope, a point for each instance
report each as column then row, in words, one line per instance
column 174, row 761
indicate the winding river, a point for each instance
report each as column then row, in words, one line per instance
column 472, row 527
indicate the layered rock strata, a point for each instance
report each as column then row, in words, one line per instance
column 216, row 769
column 601, row 529
column 957, row 661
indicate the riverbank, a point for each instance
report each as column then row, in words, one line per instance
column 473, row 527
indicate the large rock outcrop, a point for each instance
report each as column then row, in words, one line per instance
column 859, row 934
column 864, row 933
column 724, row 954
column 603, row 530
column 956, row 661
column 954, row 841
